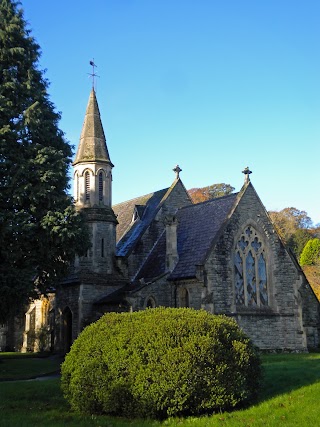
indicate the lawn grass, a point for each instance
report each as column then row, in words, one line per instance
column 289, row 397
column 23, row 366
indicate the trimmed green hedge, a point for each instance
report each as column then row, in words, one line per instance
column 311, row 253
column 160, row 362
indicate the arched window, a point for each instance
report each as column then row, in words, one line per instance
column 250, row 270
column 87, row 185
column 100, row 178
column 77, row 192
column 184, row 298
column 150, row 303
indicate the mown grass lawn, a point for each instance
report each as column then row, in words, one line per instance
column 289, row 397
column 24, row 366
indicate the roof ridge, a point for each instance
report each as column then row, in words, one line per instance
column 210, row 200
column 139, row 197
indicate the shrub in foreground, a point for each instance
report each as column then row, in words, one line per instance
column 160, row 362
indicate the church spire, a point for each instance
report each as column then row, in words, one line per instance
column 92, row 145
column 92, row 165
column 93, row 191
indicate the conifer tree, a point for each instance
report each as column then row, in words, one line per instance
column 40, row 231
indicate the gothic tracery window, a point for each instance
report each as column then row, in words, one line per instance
column 250, row 270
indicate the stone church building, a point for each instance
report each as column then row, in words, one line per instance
column 223, row 255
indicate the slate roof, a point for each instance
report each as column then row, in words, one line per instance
column 198, row 226
column 155, row 264
column 92, row 145
column 129, row 232
column 115, row 297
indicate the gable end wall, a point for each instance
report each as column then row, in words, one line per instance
column 177, row 198
column 286, row 323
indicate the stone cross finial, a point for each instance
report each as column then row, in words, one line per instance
column 247, row 173
column 177, row 170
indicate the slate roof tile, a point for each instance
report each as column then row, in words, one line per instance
column 155, row 264
column 198, row 225
column 129, row 232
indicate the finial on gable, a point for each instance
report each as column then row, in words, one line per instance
column 247, row 173
column 177, row 170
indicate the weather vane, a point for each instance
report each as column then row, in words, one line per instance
column 93, row 74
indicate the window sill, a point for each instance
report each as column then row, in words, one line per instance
column 254, row 311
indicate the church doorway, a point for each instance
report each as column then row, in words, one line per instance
column 66, row 329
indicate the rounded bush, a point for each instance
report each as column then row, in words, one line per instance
column 311, row 253
column 160, row 362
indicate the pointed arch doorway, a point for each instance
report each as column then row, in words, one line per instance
column 66, row 329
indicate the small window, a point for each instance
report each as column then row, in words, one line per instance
column 100, row 187
column 102, row 248
column 184, row 298
column 87, row 185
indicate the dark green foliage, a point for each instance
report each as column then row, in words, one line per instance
column 160, row 362
column 298, row 240
column 39, row 229
column 311, row 253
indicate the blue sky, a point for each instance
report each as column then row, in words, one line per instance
column 213, row 86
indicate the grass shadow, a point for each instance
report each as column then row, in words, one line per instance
column 27, row 366
column 283, row 373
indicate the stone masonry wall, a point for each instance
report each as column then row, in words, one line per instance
column 11, row 333
column 79, row 298
column 160, row 291
column 89, row 293
column 168, row 294
column 283, row 324
column 66, row 296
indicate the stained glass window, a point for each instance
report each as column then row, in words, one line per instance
column 263, row 281
column 251, row 279
column 250, row 270
column 239, row 279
